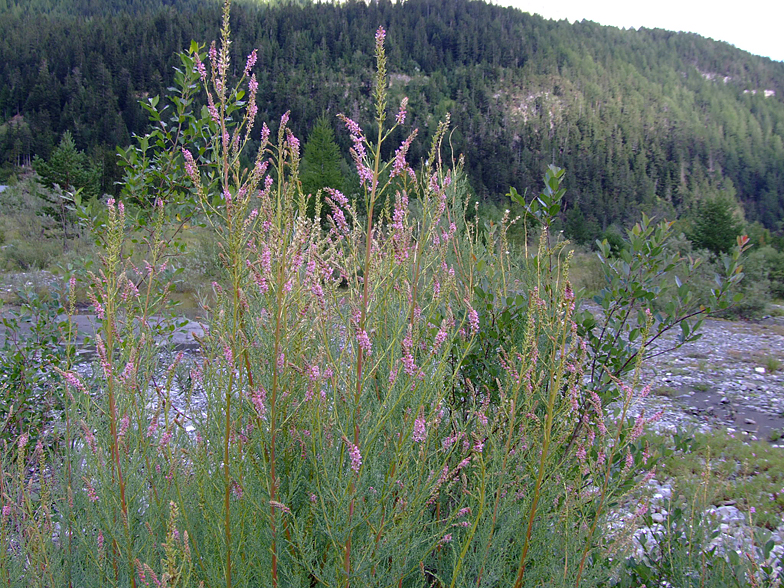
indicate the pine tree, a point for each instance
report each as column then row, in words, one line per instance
column 68, row 168
column 67, row 173
column 321, row 161
column 715, row 226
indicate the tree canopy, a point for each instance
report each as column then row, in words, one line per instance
column 643, row 120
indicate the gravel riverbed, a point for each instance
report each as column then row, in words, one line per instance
column 731, row 379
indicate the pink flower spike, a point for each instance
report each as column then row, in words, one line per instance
column 250, row 62
column 380, row 36
column 213, row 110
column 353, row 128
column 639, row 423
column 363, row 340
column 265, row 133
column 74, row 381
column 200, row 68
column 356, row 456
column 124, row 424
column 280, row 506
column 420, row 429
column 473, row 320
column 401, row 113
column 190, row 165
column 399, row 166
column 90, row 490
column 293, row 143
column 337, row 196
column 213, row 55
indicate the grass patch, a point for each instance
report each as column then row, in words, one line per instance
column 776, row 435
column 747, row 474
column 586, row 272
column 666, row 391
column 31, row 240
column 771, row 364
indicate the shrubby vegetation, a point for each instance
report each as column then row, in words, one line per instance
column 400, row 398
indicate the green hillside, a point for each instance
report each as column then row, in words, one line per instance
column 645, row 120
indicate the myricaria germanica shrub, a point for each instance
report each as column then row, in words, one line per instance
column 354, row 416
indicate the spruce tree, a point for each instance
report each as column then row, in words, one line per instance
column 715, row 226
column 68, row 172
column 321, row 161
column 68, row 168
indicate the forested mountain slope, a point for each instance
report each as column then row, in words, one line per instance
column 645, row 120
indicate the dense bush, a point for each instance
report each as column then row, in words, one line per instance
column 403, row 399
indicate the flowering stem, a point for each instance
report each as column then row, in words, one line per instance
column 554, row 388
column 277, row 365
column 477, row 518
column 502, row 474
column 610, row 458
column 114, row 247
column 380, row 104
column 227, row 479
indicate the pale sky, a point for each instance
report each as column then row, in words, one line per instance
column 756, row 26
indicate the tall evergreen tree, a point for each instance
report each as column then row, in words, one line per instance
column 67, row 172
column 715, row 225
column 68, row 168
column 321, row 161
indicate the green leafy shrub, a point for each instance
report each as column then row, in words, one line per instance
column 26, row 256
column 34, row 347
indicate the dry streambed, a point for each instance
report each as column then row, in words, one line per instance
column 730, row 380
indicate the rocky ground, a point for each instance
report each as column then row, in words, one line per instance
column 731, row 378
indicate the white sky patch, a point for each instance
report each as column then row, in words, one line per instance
column 756, row 26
